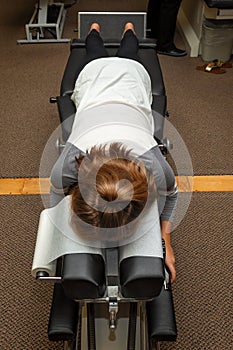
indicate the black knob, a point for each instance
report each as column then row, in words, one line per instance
column 53, row 100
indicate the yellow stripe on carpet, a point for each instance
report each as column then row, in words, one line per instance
column 24, row 186
column 210, row 183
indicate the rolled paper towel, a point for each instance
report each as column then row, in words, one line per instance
column 53, row 239
column 42, row 260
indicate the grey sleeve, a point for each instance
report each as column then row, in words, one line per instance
column 165, row 182
column 64, row 173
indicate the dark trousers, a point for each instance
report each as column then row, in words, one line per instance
column 95, row 47
column 161, row 19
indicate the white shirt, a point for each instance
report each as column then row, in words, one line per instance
column 113, row 100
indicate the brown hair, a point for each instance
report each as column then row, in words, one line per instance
column 113, row 188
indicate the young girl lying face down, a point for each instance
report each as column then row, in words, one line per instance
column 110, row 187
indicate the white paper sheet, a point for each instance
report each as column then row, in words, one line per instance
column 57, row 237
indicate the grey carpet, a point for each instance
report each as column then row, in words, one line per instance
column 202, row 292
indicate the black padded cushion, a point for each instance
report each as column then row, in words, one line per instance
column 115, row 43
column 67, row 110
column 141, row 276
column 161, row 317
column 63, row 316
column 83, row 276
column 147, row 53
column 159, row 104
column 220, row 4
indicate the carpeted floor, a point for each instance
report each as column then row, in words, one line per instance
column 203, row 298
column 200, row 107
column 202, row 292
column 24, row 302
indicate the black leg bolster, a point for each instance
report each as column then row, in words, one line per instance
column 63, row 316
column 161, row 317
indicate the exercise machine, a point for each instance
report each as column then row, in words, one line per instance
column 47, row 23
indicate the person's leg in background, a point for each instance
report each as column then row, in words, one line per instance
column 152, row 18
column 161, row 19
